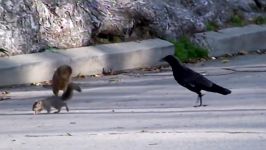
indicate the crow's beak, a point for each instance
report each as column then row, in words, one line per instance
column 162, row 60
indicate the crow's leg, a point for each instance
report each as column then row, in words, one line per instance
column 199, row 100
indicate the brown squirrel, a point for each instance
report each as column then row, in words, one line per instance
column 61, row 79
column 55, row 101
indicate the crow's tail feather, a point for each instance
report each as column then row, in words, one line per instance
column 218, row 89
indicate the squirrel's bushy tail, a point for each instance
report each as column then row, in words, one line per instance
column 69, row 91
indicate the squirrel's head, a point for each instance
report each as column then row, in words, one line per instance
column 64, row 71
column 37, row 107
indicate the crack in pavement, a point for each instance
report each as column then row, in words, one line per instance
column 150, row 132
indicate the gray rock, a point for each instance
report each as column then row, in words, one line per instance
column 261, row 3
column 30, row 26
column 245, row 5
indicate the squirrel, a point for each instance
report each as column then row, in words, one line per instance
column 69, row 91
column 47, row 103
column 61, row 79
column 55, row 101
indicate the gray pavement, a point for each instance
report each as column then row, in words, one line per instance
column 145, row 110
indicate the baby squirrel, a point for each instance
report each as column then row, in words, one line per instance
column 61, row 79
column 55, row 101
column 48, row 103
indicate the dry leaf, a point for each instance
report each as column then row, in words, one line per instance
column 68, row 134
column 242, row 52
column 225, row 61
column 5, row 92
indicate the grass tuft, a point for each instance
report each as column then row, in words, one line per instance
column 260, row 20
column 185, row 50
column 212, row 26
column 237, row 20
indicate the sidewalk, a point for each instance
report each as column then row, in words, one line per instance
column 32, row 68
column 233, row 40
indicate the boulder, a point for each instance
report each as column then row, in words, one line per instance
column 30, row 26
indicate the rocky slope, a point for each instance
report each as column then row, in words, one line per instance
column 28, row 26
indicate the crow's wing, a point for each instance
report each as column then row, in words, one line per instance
column 195, row 79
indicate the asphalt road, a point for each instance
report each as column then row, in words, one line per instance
column 145, row 110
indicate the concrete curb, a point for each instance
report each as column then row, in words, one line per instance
column 233, row 40
column 39, row 67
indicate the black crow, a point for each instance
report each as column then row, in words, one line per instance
column 192, row 80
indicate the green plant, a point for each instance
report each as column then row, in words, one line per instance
column 4, row 51
column 260, row 20
column 237, row 20
column 212, row 26
column 185, row 50
column 51, row 49
column 116, row 39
